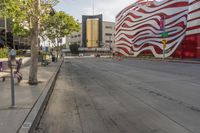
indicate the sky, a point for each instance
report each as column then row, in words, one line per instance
column 109, row 8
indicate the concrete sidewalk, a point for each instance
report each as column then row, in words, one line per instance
column 26, row 96
column 6, row 70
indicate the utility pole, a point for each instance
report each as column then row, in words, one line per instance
column 164, row 35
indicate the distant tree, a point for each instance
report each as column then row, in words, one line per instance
column 74, row 48
column 26, row 16
column 58, row 26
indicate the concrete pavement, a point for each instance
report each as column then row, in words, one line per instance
column 129, row 96
column 26, row 96
column 6, row 70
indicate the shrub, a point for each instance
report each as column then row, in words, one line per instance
column 74, row 48
column 3, row 52
column 19, row 52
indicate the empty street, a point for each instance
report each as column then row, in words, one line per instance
column 129, row 96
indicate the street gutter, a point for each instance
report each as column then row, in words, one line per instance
column 36, row 112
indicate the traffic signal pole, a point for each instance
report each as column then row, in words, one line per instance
column 164, row 46
column 164, row 35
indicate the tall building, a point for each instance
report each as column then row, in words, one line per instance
column 155, row 27
column 94, row 33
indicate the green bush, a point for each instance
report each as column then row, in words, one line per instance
column 19, row 52
column 44, row 53
column 74, row 48
column 3, row 52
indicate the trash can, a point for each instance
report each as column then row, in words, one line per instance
column 53, row 58
column 40, row 58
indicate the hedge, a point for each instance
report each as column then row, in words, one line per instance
column 3, row 52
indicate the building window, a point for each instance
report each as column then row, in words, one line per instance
column 108, row 34
column 108, row 27
column 108, row 41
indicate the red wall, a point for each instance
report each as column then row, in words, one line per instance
column 190, row 47
column 198, row 46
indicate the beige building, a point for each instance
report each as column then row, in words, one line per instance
column 74, row 38
column 108, row 31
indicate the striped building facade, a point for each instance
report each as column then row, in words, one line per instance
column 140, row 27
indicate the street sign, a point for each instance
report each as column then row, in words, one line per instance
column 164, row 41
column 164, row 34
column 164, row 46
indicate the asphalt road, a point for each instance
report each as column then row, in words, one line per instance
column 129, row 96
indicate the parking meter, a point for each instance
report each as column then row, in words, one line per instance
column 11, row 63
column 12, row 58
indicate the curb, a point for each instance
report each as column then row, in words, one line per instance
column 189, row 62
column 35, row 114
column 173, row 61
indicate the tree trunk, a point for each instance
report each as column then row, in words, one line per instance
column 57, row 50
column 33, row 80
